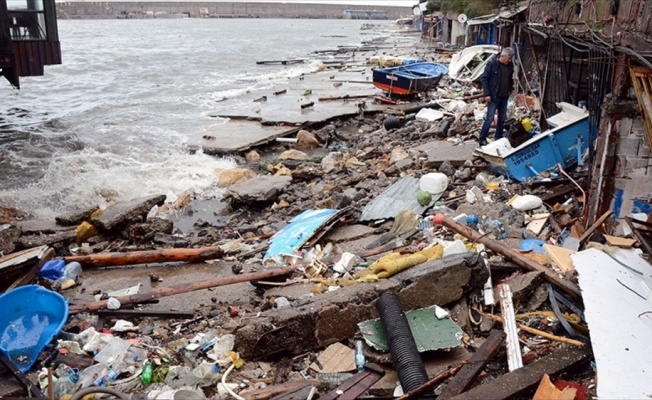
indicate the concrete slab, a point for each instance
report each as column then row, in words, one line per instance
column 286, row 107
column 347, row 233
column 439, row 151
column 291, row 292
column 333, row 316
column 236, row 136
column 250, row 119
column 115, row 215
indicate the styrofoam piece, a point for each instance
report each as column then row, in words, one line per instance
column 429, row 115
column 526, row 203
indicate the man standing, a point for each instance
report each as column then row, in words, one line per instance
column 497, row 84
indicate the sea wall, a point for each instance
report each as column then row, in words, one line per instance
column 90, row 10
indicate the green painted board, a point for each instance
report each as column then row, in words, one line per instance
column 430, row 333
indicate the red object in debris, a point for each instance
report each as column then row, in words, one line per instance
column 63, row 350
column 234, row 311
column 581, row 389
column 438, row 219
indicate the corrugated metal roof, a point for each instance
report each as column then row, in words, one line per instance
column 402, row 195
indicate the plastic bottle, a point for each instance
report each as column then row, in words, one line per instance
column 69, row 277
column 206, row 374
column 359, row 355
column 67, row 381
column 148, row 371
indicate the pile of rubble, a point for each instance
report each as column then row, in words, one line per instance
column 385, row 259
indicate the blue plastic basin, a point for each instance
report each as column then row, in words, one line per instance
column 31, row 317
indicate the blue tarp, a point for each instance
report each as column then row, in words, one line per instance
column 301, row 228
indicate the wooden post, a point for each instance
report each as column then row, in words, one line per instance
column 148, row 256
column 181, row 288
column 565, row 286
column 463, row 379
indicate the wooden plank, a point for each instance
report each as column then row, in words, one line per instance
column 274, row 390
column 560, row 256
column 336, row 358
column 595, row 225
column 469, row 372
column 563, row 285
column 33, row 271
column 520, row 383
column 620, row 241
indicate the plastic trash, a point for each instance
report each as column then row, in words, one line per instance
column 222, row 348
column 67, row 382
column 206, row 374
column 113, row 304
column 52, row 270
column 148, row 372
column 359, row 355
column 435, row 183
column 69, row 277
column 526, row 203
column 454, row 247
column 281, row 302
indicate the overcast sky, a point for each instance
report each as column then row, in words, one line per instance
column 397, row 3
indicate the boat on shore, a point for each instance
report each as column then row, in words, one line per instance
column 563, row 144
column 468, row 64
column 409, row 79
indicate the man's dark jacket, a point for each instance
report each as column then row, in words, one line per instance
column 491, row 78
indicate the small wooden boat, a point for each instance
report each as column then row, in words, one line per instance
column 409, row 79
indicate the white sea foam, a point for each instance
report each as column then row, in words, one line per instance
column 91, row 177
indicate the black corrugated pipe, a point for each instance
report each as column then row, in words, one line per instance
column 407, row 361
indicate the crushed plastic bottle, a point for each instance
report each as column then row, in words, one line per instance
column 359, row 355
column 148, row 372
column 67, row 382
column 69, row 277
column 206, row 374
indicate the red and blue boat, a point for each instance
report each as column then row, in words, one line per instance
column 410, row 79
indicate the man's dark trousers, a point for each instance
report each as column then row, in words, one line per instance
column 500, row 104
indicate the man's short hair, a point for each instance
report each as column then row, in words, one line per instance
column 507, row 51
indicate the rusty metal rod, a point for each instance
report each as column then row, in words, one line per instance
column 565, row 286
column 181, row 288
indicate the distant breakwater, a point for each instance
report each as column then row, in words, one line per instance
column 104, row 10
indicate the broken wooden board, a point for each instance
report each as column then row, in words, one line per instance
column 430, row 332
column 538, row 222
column 522, row 381
column 336, row 358
column 620, row 241
column 470, row 371
column 548, row 391
column 618, row 313
column 560, row 256
column 274, row 390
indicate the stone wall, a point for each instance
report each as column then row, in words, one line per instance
column 83, row 10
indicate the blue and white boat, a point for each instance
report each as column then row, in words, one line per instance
column 409, row 79
column 564, row 143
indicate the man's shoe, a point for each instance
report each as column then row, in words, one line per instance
column 482, row 143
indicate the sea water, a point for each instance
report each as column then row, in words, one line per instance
column 112, row 122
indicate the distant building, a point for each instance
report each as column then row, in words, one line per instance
column 364, row 14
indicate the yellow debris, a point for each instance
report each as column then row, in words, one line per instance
column 396, row 262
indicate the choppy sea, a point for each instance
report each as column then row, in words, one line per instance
column 112, row 122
